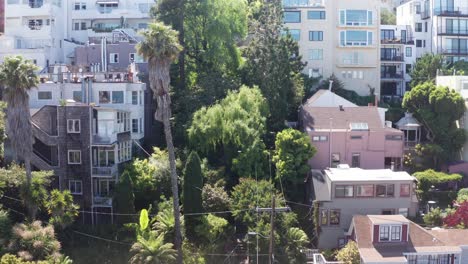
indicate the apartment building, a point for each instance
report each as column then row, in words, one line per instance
column 343, row 192
column 338, row 37
column 48, row 31
column 86, row 146
column 397, row 57
column 397, row 240
column 440, row 26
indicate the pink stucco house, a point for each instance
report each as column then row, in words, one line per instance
column 353, row 135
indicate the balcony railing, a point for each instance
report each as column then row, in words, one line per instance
column 320, row 259
column 452, row 31
column 454, row 51
column 102, row 201
column 392, row 75
column 105, row 171
column 451, row 11
column 425, row 14
column 104, row 140
column 397, row 57
column 303, row 3
column 408, row 41
column 36, row 3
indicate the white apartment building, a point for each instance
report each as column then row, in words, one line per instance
column 47, row 31
column 112, row 91
column 397, row 56
column 338, row 37
column 439, row 26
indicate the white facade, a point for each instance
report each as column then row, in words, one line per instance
column 338, row 37
column 439, row 26
column 47, row 31
column 397, row 56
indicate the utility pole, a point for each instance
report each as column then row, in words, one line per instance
column 272, row 230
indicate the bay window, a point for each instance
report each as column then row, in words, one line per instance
column 356, row 18
column 356, row 38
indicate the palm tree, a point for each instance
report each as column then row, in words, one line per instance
column 18, row 76
column 161, row 47
column 152, row 250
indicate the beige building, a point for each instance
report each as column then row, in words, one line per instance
column 338, row 37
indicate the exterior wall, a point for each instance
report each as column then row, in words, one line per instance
column 2, row 16
column 360, row 206
column 373, row 148
column 333, row 54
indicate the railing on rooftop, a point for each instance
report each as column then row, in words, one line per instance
column 303, row 3
column 408, row 41
column 451, row 11
column 452, row 31
column 320, row 259
column 100, row 77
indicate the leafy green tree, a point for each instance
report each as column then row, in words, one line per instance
column 438, row 109
column 428, row 178
column 297, row 243
column 193, row 184
column 435, row 217
column 349, row 254
column 18, row 76
column 152, row 250
column 5, row 229
column 161, row 47
column 164, row 222
column 462, row 195
column 124, row 197
column 215, row 198
column 61, row 208
column 350, row 95
column 273, row 64
column 230, row 132
column 34, row 242
column 211, row 228
column 425, row 69
column 387, row 17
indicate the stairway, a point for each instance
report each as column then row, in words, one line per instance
column 40, row 163
column 43, row 136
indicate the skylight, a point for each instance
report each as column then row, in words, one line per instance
column 359, row 126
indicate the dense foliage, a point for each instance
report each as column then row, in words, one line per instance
column 192, row 195
column 459, row 218
column 61, row 209
column 124, row 197
column 426, row 68
column 349, row 254
column 428, row 178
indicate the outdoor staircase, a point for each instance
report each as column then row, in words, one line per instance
column 43, row 136
column 40, row 163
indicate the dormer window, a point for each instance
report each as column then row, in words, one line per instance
column 390, row 233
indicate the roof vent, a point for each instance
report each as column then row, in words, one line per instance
column 343, row 166
column 341, row 108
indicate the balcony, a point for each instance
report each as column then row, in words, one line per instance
column 303, row 3
column 452, row 31
column 449, row 11
column 399, row 75
column 102, row 201
column 453, row 51
column 393, row 58
column 105, row 139
column 36, row 3
column 105, row 171
column 397, row 41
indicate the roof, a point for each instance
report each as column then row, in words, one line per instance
column 408, row 121
column 358, row 174
column 419, row 240
column 320, row 190
column 387, row 219
column 453, row 237
column 326, row 118
column 326, row 98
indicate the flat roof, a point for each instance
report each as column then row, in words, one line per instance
column 358, row 174
column 387, row 219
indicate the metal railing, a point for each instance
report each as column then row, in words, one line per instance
column 102, row 201
column 392, row 75
column 408, row 41
column 104, row 140
column 99, row 77
column 105, row 171
column 303, row 3
column 452, row 31
column 454, row 51
column 397, row 57
column 451, row 11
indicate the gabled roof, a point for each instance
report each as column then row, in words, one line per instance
column 326, row 98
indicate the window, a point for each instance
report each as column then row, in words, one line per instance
column 117, row 97
column 35, row 24
column 356, row 160
column 133, row 57
column 80, row 6
column 366, row 190
column 104, row 97
column 405, row 190
column 83, row 26
column 74, row 157
column 316, row 15
column 141, row 125
column 384, row 190
column 315, row 72
column 356, row 38
column 295, row 34
column 418, row 27
column 135, row 125
column 353, row 58
column 342, row 191
column 320, row 138
column 356, row 18
column 124, row 151
column 335, row 159
column 142, row 25
column 356, row 137
column 324, row 217
column 44, row 95
column 75, row 187
column 418, row 9
column 141, row 97
column 403, row 211
column 316, row 54
column 395, row 234
column 409, row 52
column 316, row 35
column 388, row 212
column 134, row 98
column 114, row 58
column 384, row 232
column 77, row 96
column 394, row 137
column 73, row 126
column 418, row 43
column 292, row 16
column 334, row 217
column 144, row 8
column 76, row 26
column 408, row 69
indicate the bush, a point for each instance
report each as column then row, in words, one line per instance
column 462, row 195
column 434, row 217
column 349, row 254
column 430, row 177
column 5, row 228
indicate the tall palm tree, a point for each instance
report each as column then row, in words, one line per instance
column 17, row 76
column 152, row 250
column 161, row 47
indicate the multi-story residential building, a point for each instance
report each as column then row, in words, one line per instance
column 439, row 26
column 86, row 147
column 338, row 37
column 397, row 57
column 340, row 193
column 48, row 31
column 355, row 135
column 397, row 240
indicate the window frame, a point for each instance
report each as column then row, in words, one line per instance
column 344, row 186
column 74, row 151
column 343, row 39
column 114, row 57
column 44, row 92
column 353, row 155
column 75, row 182
column 316, row 54
column 292, row 21
column 324, row 217
column 321, row 15
column 390, row 233
column 343, row 18
column 417, row 28
column 338, row 214
column 409, row 189
column 72, row 130
column 134, row 98
column 386, row 190
column 122, row 97
column 364, row 196
column 101, row 94
column 137, row 125
column 312, row 35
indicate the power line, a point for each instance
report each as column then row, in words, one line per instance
column 13, row 210
column 11, row 198
column 101, row 238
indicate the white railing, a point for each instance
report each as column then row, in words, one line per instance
column 303, row 3
column 102, row 201
column 32, row 44
column 320, row 259
column 105, row 171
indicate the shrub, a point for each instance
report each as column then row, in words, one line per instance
column 349, row 254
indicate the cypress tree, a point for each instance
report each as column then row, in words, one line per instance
column 124, row 197
column 192, row 199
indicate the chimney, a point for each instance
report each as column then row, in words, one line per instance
column 341, row 108
column 376, row 101
column 392, row 166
